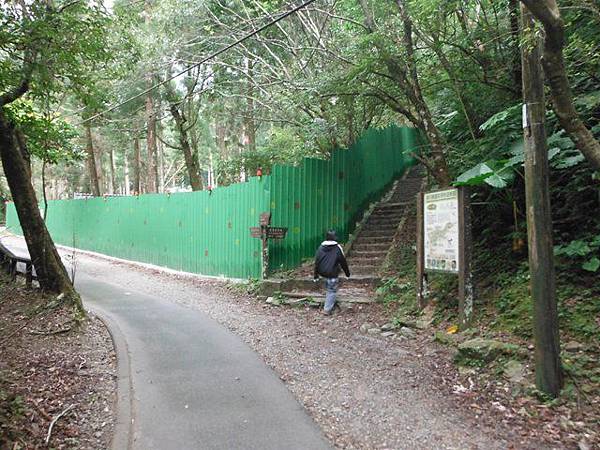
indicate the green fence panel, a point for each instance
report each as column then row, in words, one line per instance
column 321, row 194
column 208, row 233
column 197, row 232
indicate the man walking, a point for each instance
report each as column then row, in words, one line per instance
column 328, row 260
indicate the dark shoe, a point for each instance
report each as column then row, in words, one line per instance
column 327, row 313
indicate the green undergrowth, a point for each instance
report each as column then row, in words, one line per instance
column 503, row 308
column 249, row 287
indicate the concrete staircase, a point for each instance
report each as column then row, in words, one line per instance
column 367, row 252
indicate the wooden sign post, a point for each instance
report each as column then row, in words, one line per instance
column 444, row 244
column 265, row 232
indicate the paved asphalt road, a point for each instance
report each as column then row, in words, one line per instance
column 195, row 385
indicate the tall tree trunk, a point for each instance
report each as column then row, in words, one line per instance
column 548, row 373
column 113, row 180
column 220, row 134
column 152, row 173
column 99, row 168
column 91, row 160
column 51, row 272
column 126, row 187
column 249, row 122
column 513, row 12
column 137, row 169
column 405, row 73
column 191, row 159
column 548, row 14
column 161, row 164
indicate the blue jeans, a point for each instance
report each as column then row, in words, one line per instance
column 331, row 285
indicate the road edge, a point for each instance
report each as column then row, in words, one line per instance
column 123, row 432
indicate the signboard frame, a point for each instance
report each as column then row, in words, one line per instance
column 465, row 280
column 455, row 224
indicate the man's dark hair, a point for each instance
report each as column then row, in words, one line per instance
column 331, row 236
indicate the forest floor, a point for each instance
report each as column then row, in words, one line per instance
column 53, row 372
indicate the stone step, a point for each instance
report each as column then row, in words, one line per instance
column 364, row 267
column 405, row 195
column 369, row 271
column 374, row 240
column 358, row 262
column 390, row 205
column 385, row 218
column 367, row 253
column 306, row 283
column 390, row 215
column 382, row 247
column 394, row 216
column 381, row 226
column 377, row 233
column 320, row 297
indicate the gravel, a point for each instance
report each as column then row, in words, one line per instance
column 364, row 390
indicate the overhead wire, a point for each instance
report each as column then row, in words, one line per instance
column 204, row 60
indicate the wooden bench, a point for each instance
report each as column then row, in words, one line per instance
column 10, row 261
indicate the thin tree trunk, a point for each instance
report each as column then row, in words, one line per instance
column 51, row 272
column 220, row 133
column 513, row 11
column 249, row 122
column 191, row 159
column 137, row 172
column 99, row 168
column 548, row 14
column 152, row 174
column 91, row 157
column 161, row 164
column 404, row 72
column 44, row 196
column 548, row 372
column 126, row 188
column 113, row 180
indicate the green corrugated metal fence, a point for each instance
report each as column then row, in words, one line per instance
column 208, row 233
column 198, row 232
column 319, row 195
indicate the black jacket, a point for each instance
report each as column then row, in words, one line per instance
column 328, row 260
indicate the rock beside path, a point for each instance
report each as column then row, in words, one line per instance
column 487, row 350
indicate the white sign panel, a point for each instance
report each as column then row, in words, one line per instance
column 440, row 213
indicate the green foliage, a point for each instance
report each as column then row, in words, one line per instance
column 583, row 252
column 579, row 307
column 395, row 290
column 513, row 305
column 50, row 138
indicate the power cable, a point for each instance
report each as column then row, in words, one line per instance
column 208, row 58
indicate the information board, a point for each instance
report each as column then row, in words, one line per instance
column 441, row 230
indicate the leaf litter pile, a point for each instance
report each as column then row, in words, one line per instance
column 57, row 378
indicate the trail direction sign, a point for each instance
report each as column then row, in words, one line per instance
column 276, row 232
column 265, row 232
